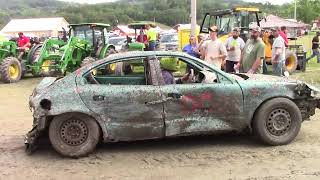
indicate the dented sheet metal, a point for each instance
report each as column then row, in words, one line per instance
column 133, row 112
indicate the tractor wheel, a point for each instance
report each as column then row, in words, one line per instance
column 74, row 135
column 35, row 53
column 291, row 62
column 46, row 68
column 111, row 50
column 10, row 70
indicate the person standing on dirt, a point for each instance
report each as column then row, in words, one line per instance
column 214, row 51
column 253, row 54
column 283, row 34
column 278, row 52
column 234, row 45
column 23, row 45
column 315, row 48
column 152, row 37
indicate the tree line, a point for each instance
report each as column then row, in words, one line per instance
column 167, row 12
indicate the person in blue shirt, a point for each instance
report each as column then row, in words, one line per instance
column 192, row 48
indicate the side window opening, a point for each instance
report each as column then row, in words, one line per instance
column 126, row 72
column 175, row 70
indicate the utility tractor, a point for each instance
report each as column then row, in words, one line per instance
column 12, row 69
column 243, row 18
column 87, row 42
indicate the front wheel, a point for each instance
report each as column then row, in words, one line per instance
column 277, row 122
column 74, row 135
column 10, row 70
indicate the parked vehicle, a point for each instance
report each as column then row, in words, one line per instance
column 92, row 105
column 118, row 42
column 169, row 42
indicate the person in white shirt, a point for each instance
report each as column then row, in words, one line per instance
column 234, row 45
column 278, row 53
column 214, row 50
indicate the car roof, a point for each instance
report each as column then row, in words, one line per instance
column 131, row 54
column 93, row 24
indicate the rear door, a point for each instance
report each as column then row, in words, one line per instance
column 126, row 101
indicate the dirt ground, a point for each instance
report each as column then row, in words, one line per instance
column 208, row 157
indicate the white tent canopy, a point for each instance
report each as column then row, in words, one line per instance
column 36, row 26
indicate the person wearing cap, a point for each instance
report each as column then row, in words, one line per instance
column 23, row 45
column 152, row 37
column 253, row 53
column 315, row 48
column 234, row 46
column 192, row 47
column 278, row 52
column 214, row 51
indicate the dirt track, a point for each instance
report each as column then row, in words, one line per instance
column 210, row 157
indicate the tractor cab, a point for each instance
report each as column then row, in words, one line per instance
column 141, row 40
column 93, row 33
column 228, row 19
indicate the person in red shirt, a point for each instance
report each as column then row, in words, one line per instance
column 142, row 37
column 23, row 45
column 283, row 34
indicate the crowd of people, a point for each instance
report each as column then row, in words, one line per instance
column 236, row 55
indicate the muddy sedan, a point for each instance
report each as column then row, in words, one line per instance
column 149, row 95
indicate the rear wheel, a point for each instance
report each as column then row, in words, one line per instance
column 10, row 70
column 35, row 53
column 277, row 122
column 74, row 135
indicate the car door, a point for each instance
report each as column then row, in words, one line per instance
column 199, row 107
column 126, row 106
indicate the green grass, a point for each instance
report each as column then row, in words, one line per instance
column 312, row 74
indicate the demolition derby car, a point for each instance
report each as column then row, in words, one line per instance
column 130, row 96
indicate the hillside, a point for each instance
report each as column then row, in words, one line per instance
column 167, row 12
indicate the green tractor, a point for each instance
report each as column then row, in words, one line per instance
column 87, row 42
column 12, row 69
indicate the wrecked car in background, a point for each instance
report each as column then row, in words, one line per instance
column 132, row 102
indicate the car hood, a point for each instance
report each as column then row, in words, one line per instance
column 300, row 86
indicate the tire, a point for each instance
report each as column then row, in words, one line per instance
column 291, row 61
column 34, row 53
column 269, row 129
column 85, row 134
column 111, row 50
column 10, row 70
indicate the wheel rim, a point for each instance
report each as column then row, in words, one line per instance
column 46, row 66
column 13, row 71
column 279, row 122
column 290, row 61
column 74, row 132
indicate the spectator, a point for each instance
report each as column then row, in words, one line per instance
column 234, row 45
column 214, row 51
column 278, row 52
column 23, row 45
column 192, row 47
column 142, row 38
column 315, row 48
column 283, row 34
column 253, row 53
column 152, row 37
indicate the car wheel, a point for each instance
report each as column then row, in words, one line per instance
column 277, row 121
column 74, row 135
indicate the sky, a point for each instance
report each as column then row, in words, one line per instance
column 100, row 1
